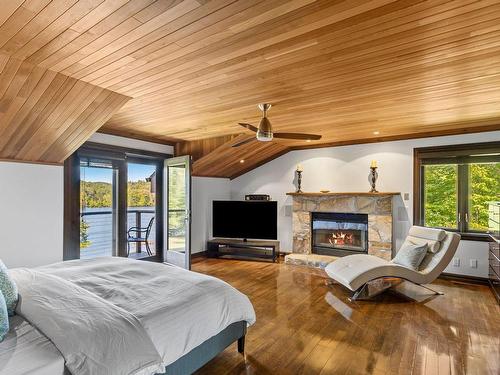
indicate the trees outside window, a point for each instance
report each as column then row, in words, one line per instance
column 456, row 185
column 484, row 189
column 440, row 196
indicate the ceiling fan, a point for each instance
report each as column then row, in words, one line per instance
column 264, row 133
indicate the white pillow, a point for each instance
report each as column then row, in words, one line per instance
column 433, row 234
column 410, row 256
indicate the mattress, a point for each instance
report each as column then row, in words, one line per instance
column 26, row 351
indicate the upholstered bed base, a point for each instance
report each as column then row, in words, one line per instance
column 206, row 351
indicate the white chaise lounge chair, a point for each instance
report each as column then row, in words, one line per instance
column 357, row 271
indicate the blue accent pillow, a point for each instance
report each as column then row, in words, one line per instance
column 8, row 288
column 4, row 318
column 410, row 256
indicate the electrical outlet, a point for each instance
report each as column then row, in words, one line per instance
column 473, row 263
column 406, row 196
column 456, row 262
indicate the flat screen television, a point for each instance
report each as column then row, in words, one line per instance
column 245, row 219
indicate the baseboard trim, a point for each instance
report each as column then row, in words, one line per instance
column 464, row 278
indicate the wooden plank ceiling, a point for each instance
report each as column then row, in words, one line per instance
column 353, row 71
column 44, row 115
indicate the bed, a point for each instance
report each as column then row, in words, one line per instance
column 116, row 315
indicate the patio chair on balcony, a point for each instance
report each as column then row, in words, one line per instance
column 139, row 237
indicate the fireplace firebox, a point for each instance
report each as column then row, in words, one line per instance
column 339, row 234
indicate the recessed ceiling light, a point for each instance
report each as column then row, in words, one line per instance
column 242, row 161
column 308, row 140
column 376, row 132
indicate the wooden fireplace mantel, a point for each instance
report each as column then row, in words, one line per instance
column 332, row 194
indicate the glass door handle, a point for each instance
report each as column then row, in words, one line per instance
column 466, row 217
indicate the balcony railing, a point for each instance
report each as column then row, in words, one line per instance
column 100, row 230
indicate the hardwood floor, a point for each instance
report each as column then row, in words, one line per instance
column 305, row 326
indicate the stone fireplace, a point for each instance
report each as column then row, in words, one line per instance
column 339, row 234
column 339, row 224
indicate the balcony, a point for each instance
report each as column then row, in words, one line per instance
column 99, row 223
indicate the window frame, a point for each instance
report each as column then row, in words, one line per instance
column 452, row 154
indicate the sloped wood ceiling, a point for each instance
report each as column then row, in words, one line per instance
column 44, row 115
column 343, row 69
column 215, row 157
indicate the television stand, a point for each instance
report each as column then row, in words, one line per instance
column 262, row 249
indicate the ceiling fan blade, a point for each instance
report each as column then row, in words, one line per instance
column 245, row 141
column 312, row 137
column 248, row 126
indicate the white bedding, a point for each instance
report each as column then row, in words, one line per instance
column 93, row 335
column 27, row 351
column 178, row 309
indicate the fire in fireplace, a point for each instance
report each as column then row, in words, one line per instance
column 339, row 234
column 341, row 239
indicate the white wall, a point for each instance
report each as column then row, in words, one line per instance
column 466, row 251
column 204, row 191
column 346, row 169
column 115, row 140
column 31, row 214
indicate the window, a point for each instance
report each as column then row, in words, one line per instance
column 455, row 185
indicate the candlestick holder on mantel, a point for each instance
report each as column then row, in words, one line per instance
column 373, row 176
column 299, row 178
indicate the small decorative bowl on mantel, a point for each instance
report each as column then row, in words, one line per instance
column 324, row 191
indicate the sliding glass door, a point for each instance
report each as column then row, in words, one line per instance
column 177, row 246
column 141, row 208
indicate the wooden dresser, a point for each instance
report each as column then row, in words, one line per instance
column 494, row 253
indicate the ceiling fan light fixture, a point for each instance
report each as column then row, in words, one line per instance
column 264, row 136
column 265, row 131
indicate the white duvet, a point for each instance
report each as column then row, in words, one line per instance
column 160, row 311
